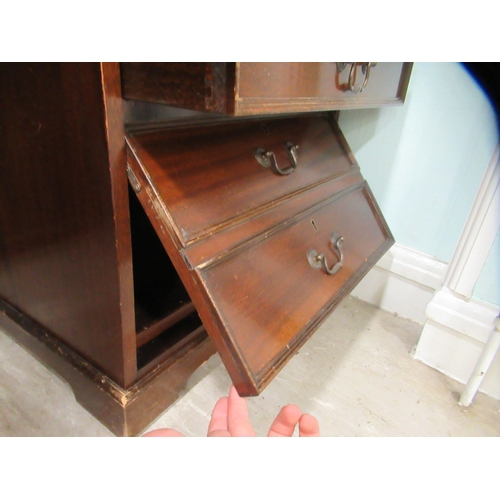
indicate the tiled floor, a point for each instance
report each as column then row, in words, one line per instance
column 355, row 375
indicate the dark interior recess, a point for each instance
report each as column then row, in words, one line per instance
column 166, row 319
column 158, row 290
column 165, row 345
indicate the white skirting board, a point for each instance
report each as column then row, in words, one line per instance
column 456, row 327
column 403, row 282
column 454, row 336
column 408, row 283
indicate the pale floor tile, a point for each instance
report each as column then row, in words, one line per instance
column 355, row 375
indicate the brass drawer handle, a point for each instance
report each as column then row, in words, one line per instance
column 268, row 159
column 365, row 68
column 319, row 260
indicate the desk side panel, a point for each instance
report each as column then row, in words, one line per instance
column 60, row 261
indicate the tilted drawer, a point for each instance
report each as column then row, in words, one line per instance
column 209, row 175
column 253, row 248
column 268, row 297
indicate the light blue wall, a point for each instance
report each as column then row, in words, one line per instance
column 425, row 160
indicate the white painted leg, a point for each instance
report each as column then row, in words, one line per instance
column 483, row 363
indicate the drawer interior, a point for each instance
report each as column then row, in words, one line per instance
column 165, row 316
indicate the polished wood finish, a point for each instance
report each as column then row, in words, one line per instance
column 268, row 298
column 65, row 256
column 197, row 86
column 115, row 295
column 111, row 88
column 239, row 235
column 66, row 263
column 214, row 167
column 278, row 87
column 251, row 88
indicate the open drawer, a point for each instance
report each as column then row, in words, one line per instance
column 263, row 255
column 252, row 88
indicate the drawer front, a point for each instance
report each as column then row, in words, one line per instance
column 214, row 169
column 281, row 87
column 240, row 237
column 269, row 299
column 245, row 88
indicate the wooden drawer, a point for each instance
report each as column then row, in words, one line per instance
column 239, row 236
column 212, row 234
column 268, row 298
column 210, row 177
column 266, row 88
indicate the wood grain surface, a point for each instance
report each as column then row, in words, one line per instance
column 239, row 235
column 63, row 254
column 255, row 88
